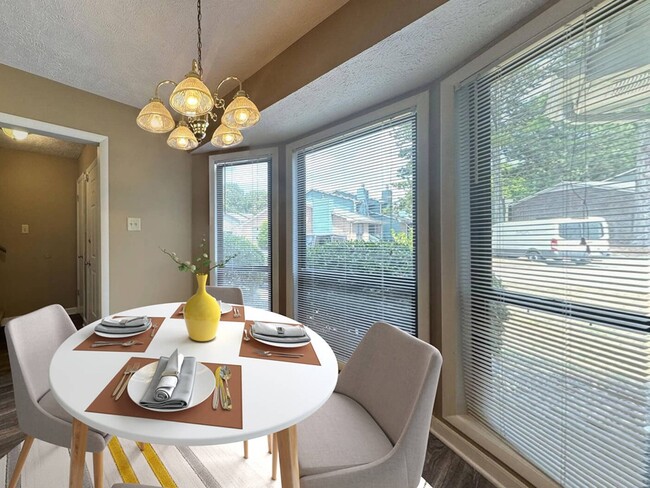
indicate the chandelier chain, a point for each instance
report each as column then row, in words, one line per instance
column 199, row 45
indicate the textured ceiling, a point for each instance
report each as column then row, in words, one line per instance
column 44, row 145
column 418, row 54
column 121, row 49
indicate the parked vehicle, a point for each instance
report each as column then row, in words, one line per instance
column 560, row 239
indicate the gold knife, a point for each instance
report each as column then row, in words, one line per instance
column 126, row 382
column 217, row 388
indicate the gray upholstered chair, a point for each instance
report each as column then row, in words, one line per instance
column 373, row 430
column 32, row 340
column 226, row 294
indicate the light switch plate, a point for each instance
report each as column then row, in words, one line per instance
column 133, row 224
column 24, row 229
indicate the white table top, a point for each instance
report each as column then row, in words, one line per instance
column 275, row 394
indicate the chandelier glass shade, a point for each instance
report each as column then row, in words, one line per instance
column 154, row 117
column 226, row 136
column 198, row 106
column 182, row 138
column 191, row 97
column 241, row 113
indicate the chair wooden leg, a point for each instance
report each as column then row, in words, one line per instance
column 269, row 440
column 22, row 457
column 140, row 445
column 98, row 469
column 245, row 449
column 274, row 457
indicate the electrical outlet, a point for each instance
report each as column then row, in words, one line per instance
column 24, row 229
column 133, row 224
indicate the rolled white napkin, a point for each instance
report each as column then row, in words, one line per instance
column 169, row 377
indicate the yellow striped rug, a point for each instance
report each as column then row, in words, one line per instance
column 166, row 466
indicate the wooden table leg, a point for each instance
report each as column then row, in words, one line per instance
column 288, row 451
column 78, row 454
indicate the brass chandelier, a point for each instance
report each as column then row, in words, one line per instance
column 197, row 107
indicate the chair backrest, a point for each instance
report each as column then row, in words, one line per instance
column 394, row 376
column 226, row 294
column 32, row 340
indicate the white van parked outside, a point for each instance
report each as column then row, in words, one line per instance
column 559, row 239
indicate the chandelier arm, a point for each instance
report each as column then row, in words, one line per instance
column 216, row 93
column 165, row 82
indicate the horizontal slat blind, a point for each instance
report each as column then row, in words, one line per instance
column 553, row 152
column 243, row 228
column 356, row 222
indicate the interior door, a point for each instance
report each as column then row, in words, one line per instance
column 81, row 248
column 92, row 244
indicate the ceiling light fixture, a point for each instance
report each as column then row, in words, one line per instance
column 16, row 135
column 192, row 99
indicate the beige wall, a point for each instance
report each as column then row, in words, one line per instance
column 200, row 200
column 39, row 267
column 88, row 155
column 147, row 179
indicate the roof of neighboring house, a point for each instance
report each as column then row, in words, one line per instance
column 239, row 217
column 347, row 196
column 355, row 217
column 341, row 194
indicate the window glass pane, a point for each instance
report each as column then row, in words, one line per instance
column 356, row 252
column 243, row 232
column 553, row 156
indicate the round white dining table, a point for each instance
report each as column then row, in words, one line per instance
column 276, row 395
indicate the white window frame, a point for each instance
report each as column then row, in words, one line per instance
column 420, row 103
column 453, row 406
column 243, row 156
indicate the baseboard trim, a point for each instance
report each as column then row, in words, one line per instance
column 492, row 470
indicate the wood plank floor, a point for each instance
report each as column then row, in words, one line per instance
column 442, row 467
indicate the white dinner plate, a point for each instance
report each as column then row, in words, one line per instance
column 204, row 384
column 121, row 336
column 288, row 345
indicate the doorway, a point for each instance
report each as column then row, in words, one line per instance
column 92, row 270
column 88, row 284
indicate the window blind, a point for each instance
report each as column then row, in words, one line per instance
column 355, row 233
column 243, row 228
column 553, row 153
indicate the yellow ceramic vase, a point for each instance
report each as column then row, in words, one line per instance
column 202, row 313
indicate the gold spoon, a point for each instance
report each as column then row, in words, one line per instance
column 226, row 402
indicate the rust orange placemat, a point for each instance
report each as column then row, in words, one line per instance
column 228, row 317
column 177, row 314
column 249, row 350
column 200, row 414
column 144, row 337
